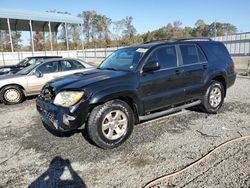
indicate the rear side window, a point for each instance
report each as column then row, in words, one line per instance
column 68, row 65
column 189, row 54
column 166, row 57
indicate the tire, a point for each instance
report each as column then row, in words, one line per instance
column 214, row 98
column 110, row 124
column 11, row 95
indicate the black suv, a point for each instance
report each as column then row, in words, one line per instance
column 136, row 84
column 7, row 69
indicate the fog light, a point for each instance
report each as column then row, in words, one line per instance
column 55, row 123
column 67, row 118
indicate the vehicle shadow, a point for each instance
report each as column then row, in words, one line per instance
column 52, row 176
column 59, row 133
column 70, row 133
column 196, row 109
column 31, row 98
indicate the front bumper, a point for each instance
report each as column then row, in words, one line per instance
column 61, row 118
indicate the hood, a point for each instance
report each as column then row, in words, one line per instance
column 11, row 69
column 10, row 76
column 83, row 79
column 11, row 66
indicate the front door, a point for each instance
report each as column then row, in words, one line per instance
column 163, row 87
column 49, row 71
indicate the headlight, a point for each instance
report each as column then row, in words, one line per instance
column 68, row 98
column 5, row 70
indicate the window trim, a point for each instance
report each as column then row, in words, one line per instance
column 198, row 47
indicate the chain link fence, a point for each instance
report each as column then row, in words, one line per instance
column 238, row 45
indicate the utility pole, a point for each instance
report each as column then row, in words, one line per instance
column 215, row 30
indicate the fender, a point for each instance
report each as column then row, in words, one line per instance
column 115, row 92
column 214, row 73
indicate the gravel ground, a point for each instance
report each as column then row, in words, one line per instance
column 33, row 157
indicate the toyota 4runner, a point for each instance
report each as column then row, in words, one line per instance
column 139, row 83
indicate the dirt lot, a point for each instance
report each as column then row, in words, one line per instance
column 32, row 156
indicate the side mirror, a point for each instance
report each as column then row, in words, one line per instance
column 38, row 74
column 151, row 66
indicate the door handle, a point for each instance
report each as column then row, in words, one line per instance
column 177, row 72
column 205, row 67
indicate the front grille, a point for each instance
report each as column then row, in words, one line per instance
column 48, row 94
column 50, row 116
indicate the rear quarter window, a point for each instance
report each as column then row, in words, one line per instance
column 201, row 55
column 219, row 50
column 216, row 51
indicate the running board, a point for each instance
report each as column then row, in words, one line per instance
column 169, row 111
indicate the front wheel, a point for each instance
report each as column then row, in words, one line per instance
column 214, row 98
column 110, row 124
column 11, row 95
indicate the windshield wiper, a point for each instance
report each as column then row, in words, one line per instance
column 110, row 68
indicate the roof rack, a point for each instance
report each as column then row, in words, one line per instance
column 152, row 41
column 195, row 39
column 179, row 40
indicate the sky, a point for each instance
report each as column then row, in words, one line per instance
column 149, row 14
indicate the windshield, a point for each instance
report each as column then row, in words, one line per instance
column 28, row 69
column 28, row 62
column 23, row 62
column 125, row 59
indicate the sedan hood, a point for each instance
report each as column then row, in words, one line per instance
column 83, row 79
column 10, row 69
column 8, row 66
column 10, row 76
column 11, row 66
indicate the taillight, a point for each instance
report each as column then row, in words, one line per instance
column 233, row 67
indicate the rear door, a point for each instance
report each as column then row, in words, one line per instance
column 194, row 64
column 163, row 87
column 49, row 70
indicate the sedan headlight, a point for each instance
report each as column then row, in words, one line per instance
column 68, row 98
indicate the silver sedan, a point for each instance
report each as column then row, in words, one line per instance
column 30, row 80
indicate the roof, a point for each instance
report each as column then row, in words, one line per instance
column 19, row 19
column 153, row 43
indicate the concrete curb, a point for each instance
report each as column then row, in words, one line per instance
column 246, row 77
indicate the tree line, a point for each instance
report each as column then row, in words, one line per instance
column 101, row 31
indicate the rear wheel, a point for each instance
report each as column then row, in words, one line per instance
column 214, row 98
column 11, row 95
column 110, row 124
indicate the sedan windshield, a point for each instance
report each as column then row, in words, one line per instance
column 27, row 62
column 23, row 62
column 125, row 59
column 28, row 69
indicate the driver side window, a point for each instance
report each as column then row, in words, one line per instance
column 50, row 67
column 153, row 57
column 165, row 56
